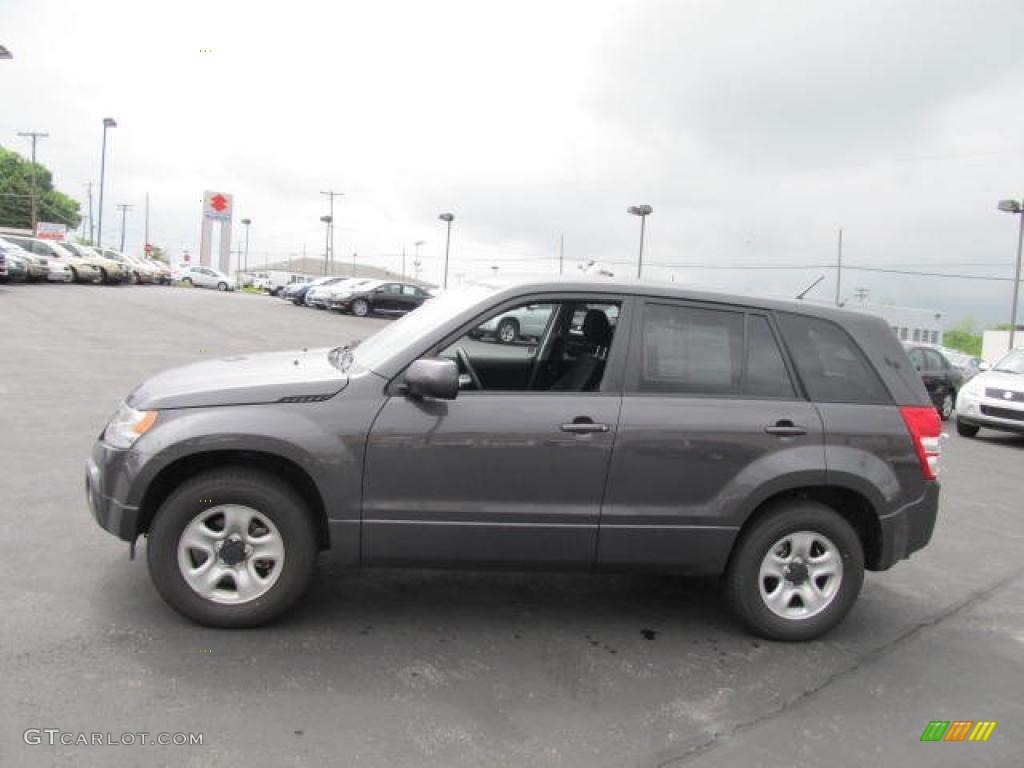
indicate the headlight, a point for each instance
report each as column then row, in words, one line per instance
column 128, row 425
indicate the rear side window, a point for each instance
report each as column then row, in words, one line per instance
column 689, row 350
column 832, row 367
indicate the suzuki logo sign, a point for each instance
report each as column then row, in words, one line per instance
column 217, row 205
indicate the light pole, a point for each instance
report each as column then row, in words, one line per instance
column 1017, row 207
column 108, row 122
column 327, row 239
column 245, row 264
column 448, row 218
column 643, row 211
column 35, row 136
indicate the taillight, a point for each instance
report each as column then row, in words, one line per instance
column 925, row 430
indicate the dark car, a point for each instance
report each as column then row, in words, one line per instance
column 378, row 297
column 787, row 446
column 941, row 378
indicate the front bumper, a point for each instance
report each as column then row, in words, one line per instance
column 908, row 529
column 106, row 472
column 1004, row 415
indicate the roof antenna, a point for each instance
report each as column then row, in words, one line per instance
column 807, row 290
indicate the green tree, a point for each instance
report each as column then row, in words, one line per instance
column 964, row 336
column 16, row 194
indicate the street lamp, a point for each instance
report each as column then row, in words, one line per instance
column 245, row 263
column 108, row 122
column 643, row 211
column 327, row 238
column 448, row 218
column 1017, row 207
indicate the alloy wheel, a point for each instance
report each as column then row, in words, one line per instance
column 800, row 575
column 230, row 554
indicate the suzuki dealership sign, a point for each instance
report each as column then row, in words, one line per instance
column 48, row 230
column 218, row 207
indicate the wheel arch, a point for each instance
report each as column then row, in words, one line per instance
column 171, row 476
column 852, row 505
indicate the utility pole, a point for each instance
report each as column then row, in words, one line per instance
column 861, row 294
column 124, row 215
column 839, row 267
column 416, row 260
column 331, row 194
column 91, row 240
column 35, row 136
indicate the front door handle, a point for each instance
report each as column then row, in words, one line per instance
column 785, row 428
column 583, row 426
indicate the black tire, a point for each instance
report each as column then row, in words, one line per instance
column 253, row 489
column 508, row 331
column 360, row 308
column 187, row 281
column 966, row 430
column 222, row 286
column 104, row 277
column 742, row 581
column 133, row 278
column 74, row 275
column 948, row 404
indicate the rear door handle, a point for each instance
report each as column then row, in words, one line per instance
column 583, row 426
column 785, row 428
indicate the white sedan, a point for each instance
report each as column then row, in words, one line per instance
column 993, row 399
column 208, row 277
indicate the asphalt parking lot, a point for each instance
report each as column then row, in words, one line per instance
column 413, row 668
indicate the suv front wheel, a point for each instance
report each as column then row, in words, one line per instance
column 796, row 572
column 232, row 548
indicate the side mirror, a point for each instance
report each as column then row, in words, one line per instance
column 432, row 377
column 983, row 366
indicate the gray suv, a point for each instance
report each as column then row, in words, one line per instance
column 783, row 445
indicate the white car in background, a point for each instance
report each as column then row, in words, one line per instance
column 993, row 399
column 208, row 277
column 317, row 295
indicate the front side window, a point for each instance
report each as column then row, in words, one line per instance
column 537, row 347
column 934, row 360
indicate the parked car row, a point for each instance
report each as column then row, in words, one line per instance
column 358, row 296
column 33, row 259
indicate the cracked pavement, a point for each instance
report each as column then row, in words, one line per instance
column 417, row 668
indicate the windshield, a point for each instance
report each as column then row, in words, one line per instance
column 413, row 328
column 1012, row 363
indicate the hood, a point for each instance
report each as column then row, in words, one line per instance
column 999, row 380
column 242, row 380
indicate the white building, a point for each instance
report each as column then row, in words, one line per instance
column 908, row 323
column 995, row 344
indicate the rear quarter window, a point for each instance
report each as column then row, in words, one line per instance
column 830, row 364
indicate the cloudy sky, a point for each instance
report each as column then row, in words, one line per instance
column 755, row 129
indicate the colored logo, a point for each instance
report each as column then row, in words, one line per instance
column 219, row 203
column 958, row 730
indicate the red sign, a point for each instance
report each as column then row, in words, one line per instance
column 219, row 203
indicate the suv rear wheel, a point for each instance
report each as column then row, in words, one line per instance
column 796, row 572
column 232, row 548
column 966, row 430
